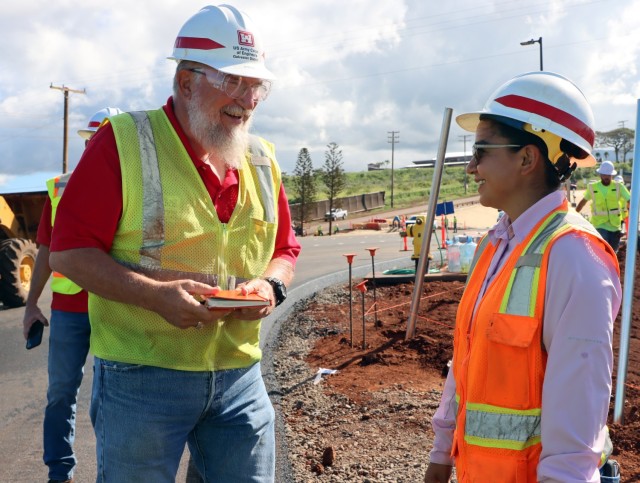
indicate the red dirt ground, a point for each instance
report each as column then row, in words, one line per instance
column 389, row 360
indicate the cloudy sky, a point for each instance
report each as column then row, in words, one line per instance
column 349, row 71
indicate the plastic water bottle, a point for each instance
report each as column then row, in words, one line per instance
column 453, row 256
column 466, row 254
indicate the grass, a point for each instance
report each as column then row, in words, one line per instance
column 412, row 186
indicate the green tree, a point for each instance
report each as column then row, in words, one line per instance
column 621, row 140
column 333, row 176
column 304, row 185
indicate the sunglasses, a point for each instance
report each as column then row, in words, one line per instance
column 478, row 150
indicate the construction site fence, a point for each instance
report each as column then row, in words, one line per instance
column 353, row 204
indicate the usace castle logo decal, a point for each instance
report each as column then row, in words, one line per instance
column 245, row 38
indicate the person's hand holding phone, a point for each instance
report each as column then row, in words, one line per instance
column 34, row 337
column 33, row 325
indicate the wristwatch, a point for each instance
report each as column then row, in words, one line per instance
column 279, row 289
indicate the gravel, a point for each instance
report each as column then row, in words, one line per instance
column 327, row 436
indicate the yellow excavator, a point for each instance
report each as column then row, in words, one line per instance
column 19, row 217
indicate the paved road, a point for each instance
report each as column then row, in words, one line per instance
column 23, row 378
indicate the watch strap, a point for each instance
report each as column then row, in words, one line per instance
column 279, row 289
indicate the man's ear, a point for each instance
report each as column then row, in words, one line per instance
column 185, row 83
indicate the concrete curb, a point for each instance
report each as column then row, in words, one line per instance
column 284, row 473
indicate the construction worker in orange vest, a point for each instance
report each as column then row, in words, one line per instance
column 527, row 396
column 69, row 335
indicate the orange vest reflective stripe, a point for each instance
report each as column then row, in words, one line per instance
column 499, row 359
column 55, row 188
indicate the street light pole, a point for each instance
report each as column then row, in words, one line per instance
column 531, row 42
column 393, row 139
column 464, row 139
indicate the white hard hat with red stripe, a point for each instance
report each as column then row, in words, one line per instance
column 543, row 103
column 96, row 120
column 224, row 38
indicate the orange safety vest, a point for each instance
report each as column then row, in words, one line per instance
column 499, row 359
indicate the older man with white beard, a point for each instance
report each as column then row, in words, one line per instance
column 166, row 207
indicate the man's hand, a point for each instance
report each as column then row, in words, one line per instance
column 31, row 314
column 437, row 473
column 176, row 302
column 262, row 288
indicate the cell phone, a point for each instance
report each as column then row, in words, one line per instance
column 35, row 334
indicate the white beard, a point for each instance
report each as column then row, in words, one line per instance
column 214, row 137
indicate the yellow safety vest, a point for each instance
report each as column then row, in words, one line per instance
column 170, row 230
column 605, row 204
column 55, row 188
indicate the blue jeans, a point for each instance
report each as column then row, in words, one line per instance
column 143, row 416
column 611, row 237
column 68, row 348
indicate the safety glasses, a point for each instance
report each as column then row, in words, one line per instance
column 478, row 150
column 235, row 86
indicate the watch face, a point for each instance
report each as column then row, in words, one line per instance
column 283, row 289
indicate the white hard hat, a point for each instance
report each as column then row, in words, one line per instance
column 224, row 38
column 542, row 103
column 96, row 120
column 618, row 179
column 607, row 169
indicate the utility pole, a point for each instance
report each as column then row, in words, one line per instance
column 464, row 139
column 65, row 149
column 394, row 137
column 621, row 124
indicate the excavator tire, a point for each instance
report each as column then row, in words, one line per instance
column 17, row 259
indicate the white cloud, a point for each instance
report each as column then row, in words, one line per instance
column 348, row 72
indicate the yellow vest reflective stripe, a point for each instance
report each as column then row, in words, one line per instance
column 170, row 230
column 55, row 188
column 605, row 207
column 522, row 292
column 496, row 427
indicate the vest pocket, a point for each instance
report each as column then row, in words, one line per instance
column 510, row 360
column 258, row 246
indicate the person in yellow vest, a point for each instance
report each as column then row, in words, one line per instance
column 609, row 204
column 624, row 205
column 69, row 335
column 527, row 396
column 165, row 208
